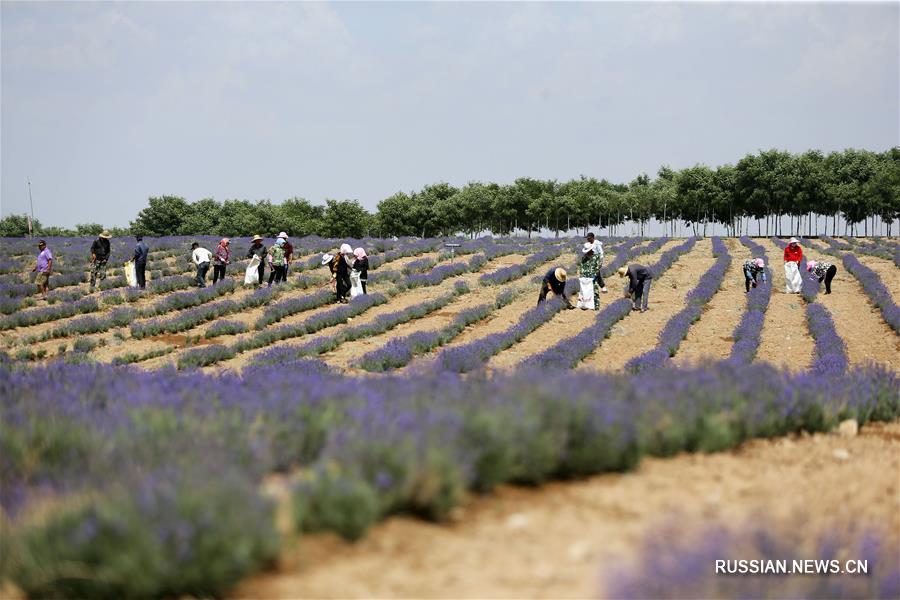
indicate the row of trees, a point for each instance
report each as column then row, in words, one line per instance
column 764, row 189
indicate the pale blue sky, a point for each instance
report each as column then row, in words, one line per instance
column 104, row 105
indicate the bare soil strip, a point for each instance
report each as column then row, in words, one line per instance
column 639, row 332
column 345, row 354
column 710, row 337
column 551, row 541
column 398, row 302
column 785, row 341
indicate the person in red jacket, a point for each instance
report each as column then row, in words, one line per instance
column 793, row 254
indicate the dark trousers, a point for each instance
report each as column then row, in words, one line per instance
column 546, row 289
column 749, row 279
column 218, row 273
column 140, row 271
column 829, row 275
column 363, row 282
column 599, row 280
column 342, row 287
column 279, row 274
column 202, row 268
column 262, row 272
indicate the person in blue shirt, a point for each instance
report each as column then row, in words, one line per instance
column 141, row 252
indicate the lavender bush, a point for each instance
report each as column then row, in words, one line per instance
column 831, row 352
column 747, row 333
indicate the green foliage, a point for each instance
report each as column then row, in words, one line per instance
column 328, row 500
column 17, row 226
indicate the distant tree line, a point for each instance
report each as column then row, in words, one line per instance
column 750, row 197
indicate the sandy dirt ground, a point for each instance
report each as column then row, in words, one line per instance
column 551, row 541
column 785, row 340
column 247, row 317
column 346, row 354
column 710, row 337
column 398, row 302
column 639, row 332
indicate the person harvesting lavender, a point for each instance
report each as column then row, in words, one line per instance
column 221, row 258
column 588, row 268
column 141, row 252
column 823, row 271
column 598, row 250
column 277, row 262
column 99, row 257
column 43, row 267
column 754, row 271
column 793, row 254
column 638, row 286
column 360, row 269
column 258, row 250
column 201, row 258
column 554, row 281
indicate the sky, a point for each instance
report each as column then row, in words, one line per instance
column 103, row 105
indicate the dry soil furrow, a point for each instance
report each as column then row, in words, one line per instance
column 398, row 302
column 785, row 341
column 710, row 337
column 248, row 317
column 552, row 541
column 639, row 332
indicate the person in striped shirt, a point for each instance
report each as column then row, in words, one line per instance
column 823, row 271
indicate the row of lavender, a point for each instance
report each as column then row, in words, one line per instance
column 161, row 471
column 831, row 351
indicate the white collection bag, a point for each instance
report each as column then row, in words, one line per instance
column 130, row 274
column 586, row 295
column 251, row 275
column 355, row 284
column 792, row 278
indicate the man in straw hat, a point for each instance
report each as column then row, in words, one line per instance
column 638, row 286
column 258, row 249
column 554, row 281
column 99, row 257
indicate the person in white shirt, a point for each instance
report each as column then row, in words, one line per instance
column 598, row 252
column 201, row 258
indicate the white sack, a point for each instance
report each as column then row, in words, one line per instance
column 130, row 274
column 355, row 284
column 251, row 275
column 792, row 278
column 586, row 295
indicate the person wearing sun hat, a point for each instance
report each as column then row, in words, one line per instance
column 43, row 267
column 341, row 272
column 754, row 271
column 288, row 252
column 588, row 268
column 793, row 255
column 259, row 250
column 99, row 256
column 554, row 281
column 638, row 286
column 823, row 271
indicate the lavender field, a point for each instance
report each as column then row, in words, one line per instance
column 177, row 441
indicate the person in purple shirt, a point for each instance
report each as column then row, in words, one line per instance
column 43, row 268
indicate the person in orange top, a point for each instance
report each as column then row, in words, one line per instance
column 793, row 254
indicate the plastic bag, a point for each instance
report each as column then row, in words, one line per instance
column 130, row 274
column 251, row 275
column 586, row 294
column 793, row 279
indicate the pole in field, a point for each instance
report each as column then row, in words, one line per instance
column 31, row 215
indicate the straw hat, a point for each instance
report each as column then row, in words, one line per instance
column 327, row 258
column 622, row 271
column 759, row 263
column 560, row 274
column 257, row 238
column 105, row 234
column 587, row 247
column 810, row 265
column 793, row 240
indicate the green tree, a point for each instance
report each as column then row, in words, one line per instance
column 300, row 218
column 202, row 218
column 17, row 226
column 395, row 216
column 345, row 219
column 163, row 216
